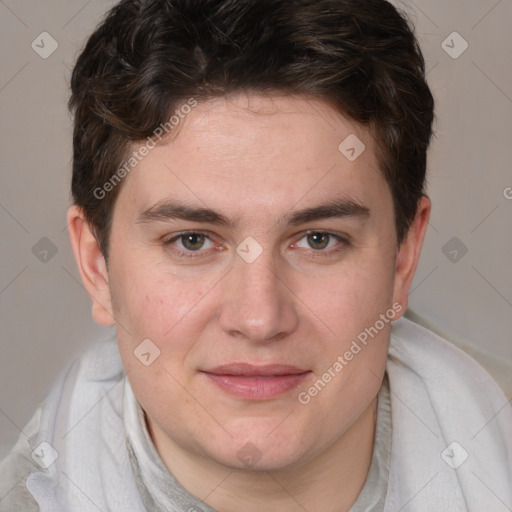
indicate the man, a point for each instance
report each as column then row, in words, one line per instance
column 249, row 210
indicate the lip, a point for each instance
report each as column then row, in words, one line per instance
column 252, row 382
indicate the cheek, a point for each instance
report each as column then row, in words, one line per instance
column 154, row 306
column 351, row 298
column 154, row 302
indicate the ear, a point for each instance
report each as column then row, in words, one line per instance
column 91, row 265
column 409, row 253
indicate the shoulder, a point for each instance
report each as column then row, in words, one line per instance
column 78, row 388
column 456, row 386
column 15, row 469
column 450, row 414
column 433, row 355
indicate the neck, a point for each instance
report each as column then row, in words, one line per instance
column 335, row 477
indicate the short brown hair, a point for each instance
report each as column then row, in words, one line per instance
column 149, row 56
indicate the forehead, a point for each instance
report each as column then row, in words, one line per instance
column 259, row 153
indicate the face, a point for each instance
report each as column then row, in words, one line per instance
column 252, row 252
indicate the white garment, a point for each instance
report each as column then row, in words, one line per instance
column 439, row 396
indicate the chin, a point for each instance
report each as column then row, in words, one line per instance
column 250, row 458
column 265, row 447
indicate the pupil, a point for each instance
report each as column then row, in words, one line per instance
column 193, row 241
column 318, row 239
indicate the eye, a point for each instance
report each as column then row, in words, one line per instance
column 321, row 240
column 190, row 242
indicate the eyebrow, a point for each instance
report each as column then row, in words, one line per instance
column 169, row 210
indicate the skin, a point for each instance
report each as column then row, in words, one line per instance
column 255, row 159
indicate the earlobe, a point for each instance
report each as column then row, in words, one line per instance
column 409, row 253
column 91, row 265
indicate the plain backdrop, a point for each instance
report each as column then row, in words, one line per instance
column 463, row 286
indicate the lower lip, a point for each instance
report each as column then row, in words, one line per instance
column 257, row 388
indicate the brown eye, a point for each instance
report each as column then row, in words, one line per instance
column 192, row 246
column 322, row 243
column 192, row 241
column 318, row 240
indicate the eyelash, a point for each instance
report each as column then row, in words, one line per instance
column 200, row 253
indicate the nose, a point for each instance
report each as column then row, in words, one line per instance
column 258, row 305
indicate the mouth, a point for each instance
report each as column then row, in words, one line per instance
column 256, row 383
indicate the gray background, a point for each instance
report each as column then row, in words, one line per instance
column 45, row 311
